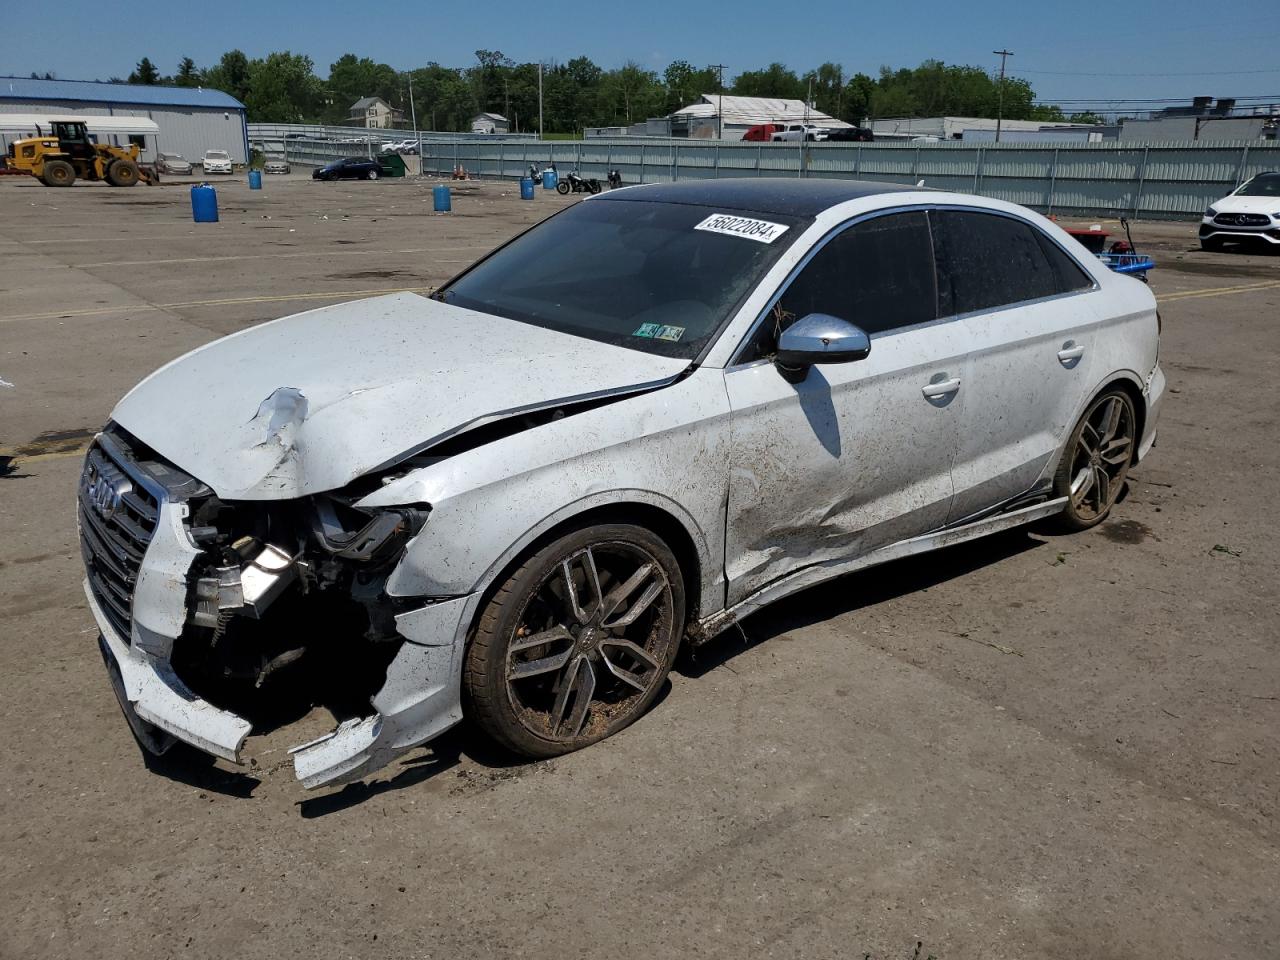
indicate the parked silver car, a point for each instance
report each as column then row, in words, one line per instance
column 276, row 166
column 514, row 500
column 173, row 163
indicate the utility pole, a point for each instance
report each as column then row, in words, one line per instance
column 1004, row 54
column 719, row 69
column 413, row 118
column 539, row 99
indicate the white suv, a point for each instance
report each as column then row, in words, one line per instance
column 1249, row 214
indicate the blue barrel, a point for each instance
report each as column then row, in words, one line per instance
column 443, row 200
column 526, row 188
column 549, row 179
column 255, row 179
column 204, row 203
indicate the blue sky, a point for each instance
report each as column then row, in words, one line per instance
column 1067, row 50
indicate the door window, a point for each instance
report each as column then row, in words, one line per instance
column 987, row 261
column 878, row 274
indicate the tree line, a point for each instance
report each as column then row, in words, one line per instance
column 283, row 87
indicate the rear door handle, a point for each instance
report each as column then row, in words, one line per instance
column 1070, row 353
column 943, row 388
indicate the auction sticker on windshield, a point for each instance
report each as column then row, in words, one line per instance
column 761, row 231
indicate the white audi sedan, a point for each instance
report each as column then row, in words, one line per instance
column 649, row 415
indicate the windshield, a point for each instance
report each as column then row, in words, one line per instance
column 658, row 277
column 217, row 154
column 1263, row 185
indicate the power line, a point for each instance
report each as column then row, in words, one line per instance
column 1195, row 73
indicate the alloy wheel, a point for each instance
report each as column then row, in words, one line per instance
column 1100, row 461
column 591, row 642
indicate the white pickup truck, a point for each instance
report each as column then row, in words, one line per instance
column 801, row 131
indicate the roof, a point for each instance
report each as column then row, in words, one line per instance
column 364, row 102
column 749, row 111
column 115, row 124
column 492, row 116
column 16, row 88
column 774, row 195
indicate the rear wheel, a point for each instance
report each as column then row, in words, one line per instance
column 122, row 173
column 59, row 173
column 1096, row 462
column 371, row 175
column 576, row 644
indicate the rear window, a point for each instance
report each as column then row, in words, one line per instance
column 986, row 261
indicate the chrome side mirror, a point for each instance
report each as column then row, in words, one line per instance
column 819, row 338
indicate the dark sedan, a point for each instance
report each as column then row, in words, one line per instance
column 351, row 168
column 851, row 134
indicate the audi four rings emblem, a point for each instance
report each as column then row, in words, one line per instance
column 106, row 492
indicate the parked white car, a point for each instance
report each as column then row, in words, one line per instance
column 1249, row 214
column 800, row 131
column 216, row 161
column 515, row 499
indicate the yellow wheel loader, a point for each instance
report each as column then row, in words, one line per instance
column 67, row 153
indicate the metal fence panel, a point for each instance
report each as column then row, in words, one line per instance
column 1159, row 180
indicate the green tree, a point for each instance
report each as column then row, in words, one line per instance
column 187, row 75
column 856, row 103
column 685, row 84
column 352, row 77
column 230, row 75
column 774, row 80
column 145, row 72
column 283, row 89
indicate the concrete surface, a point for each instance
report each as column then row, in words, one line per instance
column 1027, row 747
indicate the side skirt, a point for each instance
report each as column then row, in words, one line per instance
column 708, row 627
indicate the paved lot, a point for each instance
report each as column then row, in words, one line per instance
column 1025, row 747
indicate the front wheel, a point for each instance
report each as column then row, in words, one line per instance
column 59, row 173
column 1211, row 246
column 1096, row 462
column 371, row 175
column 577, row 642
column 562, row 187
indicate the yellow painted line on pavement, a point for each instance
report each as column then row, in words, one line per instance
column 222, row 302
column 1218, row 291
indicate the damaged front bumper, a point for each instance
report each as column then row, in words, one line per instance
column 142, row 604
column 419, row 701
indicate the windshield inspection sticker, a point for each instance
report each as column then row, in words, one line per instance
column 762, row 231
column 659, row 331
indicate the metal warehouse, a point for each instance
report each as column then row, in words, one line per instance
column 191, row 120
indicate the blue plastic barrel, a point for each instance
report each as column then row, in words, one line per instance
column 549, row 179
column 204, row 203
column 442, row 198
column 526, row 188
column 255, row 179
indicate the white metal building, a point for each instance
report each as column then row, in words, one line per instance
column 116, row 131
column 953, row 128
column 191, row 120
column 740, row 114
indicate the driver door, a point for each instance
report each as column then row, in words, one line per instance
column 857, row 455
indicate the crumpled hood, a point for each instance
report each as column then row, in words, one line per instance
column 310, row 402
column 1270, row 205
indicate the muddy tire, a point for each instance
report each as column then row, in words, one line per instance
column 1092, row 472
column 577, row 642
column 59, row 173
column 122, row 173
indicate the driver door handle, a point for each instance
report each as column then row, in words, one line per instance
column 942, row 389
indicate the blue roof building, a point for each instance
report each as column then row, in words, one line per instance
column 191, row 119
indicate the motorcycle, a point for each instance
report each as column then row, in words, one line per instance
column 615, row 179
column 573, row 183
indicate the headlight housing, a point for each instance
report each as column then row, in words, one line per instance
column 1211, row 213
